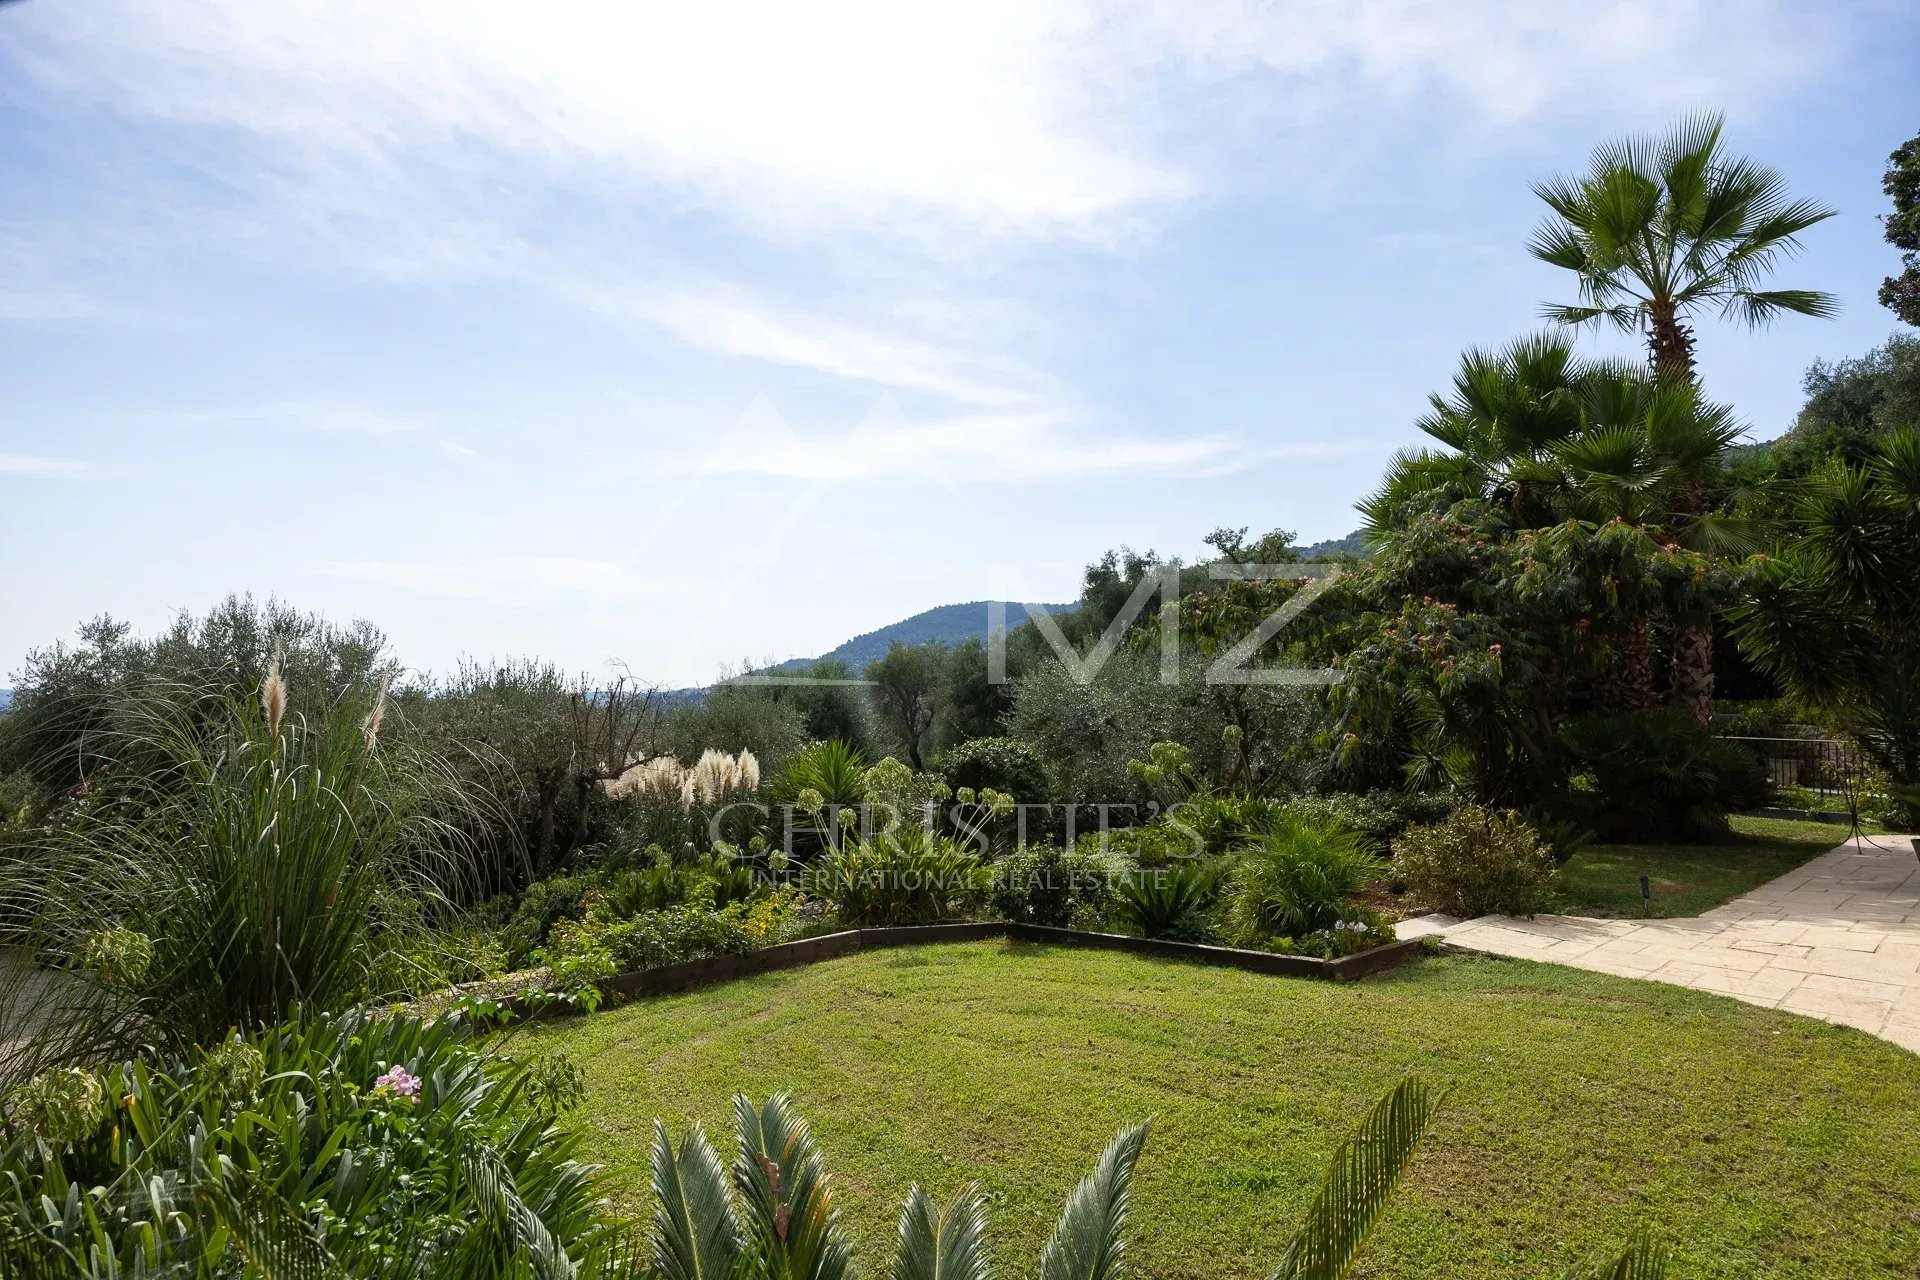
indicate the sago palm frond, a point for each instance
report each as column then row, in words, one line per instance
column 947, row 1243
column 696, row 1229
column 1090, row 1243
column 1642, row 1259
column 1359, row 1182
column 786, row 1192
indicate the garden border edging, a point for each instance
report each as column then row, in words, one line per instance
column 690, row 974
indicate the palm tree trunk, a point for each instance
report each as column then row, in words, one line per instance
column 1693, row 669
column 1631, row 688
column 1669, row 344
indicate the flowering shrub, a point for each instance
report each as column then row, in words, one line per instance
column 61, row 1107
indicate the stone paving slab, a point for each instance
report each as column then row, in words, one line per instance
column 1836, row 939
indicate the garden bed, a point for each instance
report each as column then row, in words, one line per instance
column 787, row 955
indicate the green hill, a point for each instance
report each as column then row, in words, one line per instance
column 948, row 624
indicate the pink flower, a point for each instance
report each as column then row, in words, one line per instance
column 398, row 1082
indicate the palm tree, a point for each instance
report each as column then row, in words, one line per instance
column 1660, row 227
column 1656, row 229
column 1836, row 615
column 1506, row 410
column 1645, row 452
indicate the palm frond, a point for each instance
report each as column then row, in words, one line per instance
column 786, row 1191
column 696, row 1229
column 1642, row 1259
column 948, row 1243
column 1359, row 1182
column 1090, row 1241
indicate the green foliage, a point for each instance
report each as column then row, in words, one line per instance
column 1836, row 615
column 1170, row 901
column 831, row 711
column 78, row 707
column 776, row 1214
column 835, row 771
column 1477, row 862
column 266, row 862
column 736, row 716
column 904, row 876
column 1061, row 887
column 1293, row 878
column 906, row 688
column 1901, row 293
column 1088, row 733
column 1658, row 228
column 1359, row 1182
column 1003, row 764
column 1657, row 776
column 329, row 1147
column 972, row 704
column 1377, row 815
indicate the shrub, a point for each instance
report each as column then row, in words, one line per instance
column 1169, row 902
column 1475, row 863
column 900, row 877
column 1658, row 775
column 1006, row 765
column 1377, row 815
column 1046, row 884
column 1219, row 823
column 1293, row 878
column 338, row 1146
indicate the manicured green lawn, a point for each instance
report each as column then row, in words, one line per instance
column 1759, row 1143
column 1687, row 879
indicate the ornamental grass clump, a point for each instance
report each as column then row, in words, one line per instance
column 260, row 863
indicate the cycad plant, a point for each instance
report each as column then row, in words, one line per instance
column 772, row 1213
column 1169, row 901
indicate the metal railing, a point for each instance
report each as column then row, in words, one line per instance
column 1829, row 767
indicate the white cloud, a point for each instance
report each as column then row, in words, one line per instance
column 733, row 322
column 529, row 582
column 325, row 416
column 1014, row 448
column 874, row 110
column 22, row 464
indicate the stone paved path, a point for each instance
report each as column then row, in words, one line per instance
column 1838, row 939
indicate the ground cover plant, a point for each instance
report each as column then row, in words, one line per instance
column 1755, row 1142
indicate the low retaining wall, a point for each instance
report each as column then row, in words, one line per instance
column 789, row 955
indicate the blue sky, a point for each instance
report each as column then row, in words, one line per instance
column 632, row 332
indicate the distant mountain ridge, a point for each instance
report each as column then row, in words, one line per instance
column 949, row 624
